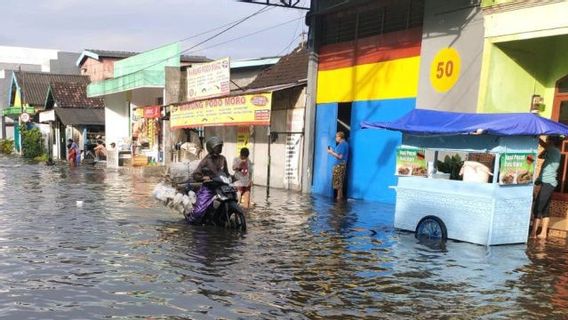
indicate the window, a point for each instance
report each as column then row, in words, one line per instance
column 370, row 20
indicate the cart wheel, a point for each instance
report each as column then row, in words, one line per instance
column 431, row 228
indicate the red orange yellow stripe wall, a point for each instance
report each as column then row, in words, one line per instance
column 374, row 68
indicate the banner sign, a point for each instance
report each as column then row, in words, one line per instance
column 209, row 80
column 411, row 162
column 243, row 138
column 516, row 168
column 152, row 112
column 244, row 110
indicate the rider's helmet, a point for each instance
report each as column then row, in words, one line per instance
column 212, row 143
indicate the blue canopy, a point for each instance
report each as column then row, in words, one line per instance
column 430, row 122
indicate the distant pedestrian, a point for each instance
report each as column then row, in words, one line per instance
column 72, row 152
column 548, row 181
column 100, row 151
column 341, row 155
column 243, row 175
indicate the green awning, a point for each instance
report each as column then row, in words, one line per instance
column 145, row 70
column 15, row 112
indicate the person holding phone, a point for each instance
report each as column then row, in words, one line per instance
column 341, row 155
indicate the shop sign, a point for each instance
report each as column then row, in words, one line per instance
column 244, row 110
column 411, row 162
column 152, row 112
column 516, row 168
column 292, row 163
column 47, row 116
column 208, row 80
column 243, row 138
column 445, row 69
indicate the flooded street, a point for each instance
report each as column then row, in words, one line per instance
column 123, row 255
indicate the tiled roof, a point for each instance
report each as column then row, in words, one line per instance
column 73, row 95
column 34, row 85
column 126, row 54
column 291, row 68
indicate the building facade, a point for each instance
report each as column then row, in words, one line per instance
column 28, row 59
column 276, row 156
column 524, row 61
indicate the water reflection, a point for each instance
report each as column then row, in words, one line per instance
column 304, row 257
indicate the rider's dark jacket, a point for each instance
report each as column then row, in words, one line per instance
column 212, row 166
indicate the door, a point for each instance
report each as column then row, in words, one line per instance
column 560, row 114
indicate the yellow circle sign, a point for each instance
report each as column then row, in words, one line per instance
column 445, row 69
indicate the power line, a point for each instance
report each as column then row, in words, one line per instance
column 216, row 45
column 294, row 35
column 246, row 35
column 229, row 27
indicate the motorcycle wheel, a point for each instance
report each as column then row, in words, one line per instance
column 237, row 218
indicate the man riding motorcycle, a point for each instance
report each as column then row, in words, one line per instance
column 213, row 165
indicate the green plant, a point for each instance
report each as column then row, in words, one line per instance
column 6, row 146
column 41, row 158
column 32, row 142
column 451, row 165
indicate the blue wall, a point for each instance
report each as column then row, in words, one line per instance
column 372, row 161
column 326, row 127
column 373, row 158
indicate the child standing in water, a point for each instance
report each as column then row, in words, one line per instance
column 243, row 175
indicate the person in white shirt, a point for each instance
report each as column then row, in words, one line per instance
column 243, row 176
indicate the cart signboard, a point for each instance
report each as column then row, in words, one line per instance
column 411, row 162
column 516, row 168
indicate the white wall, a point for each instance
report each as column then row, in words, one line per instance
column 116, row 118
column 19, row 55
column 532, row 22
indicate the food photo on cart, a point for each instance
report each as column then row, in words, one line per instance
column 467, row 177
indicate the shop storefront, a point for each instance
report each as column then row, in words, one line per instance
column 147, row 136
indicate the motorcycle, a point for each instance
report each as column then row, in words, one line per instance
column 222, row 207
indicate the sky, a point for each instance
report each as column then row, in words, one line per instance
column 140, row 25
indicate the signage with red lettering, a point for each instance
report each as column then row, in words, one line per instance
column 152, row 112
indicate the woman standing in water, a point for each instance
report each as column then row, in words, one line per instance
column 72, row 152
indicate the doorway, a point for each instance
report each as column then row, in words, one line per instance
column 560, row 114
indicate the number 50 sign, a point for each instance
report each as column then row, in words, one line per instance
column 445, row 69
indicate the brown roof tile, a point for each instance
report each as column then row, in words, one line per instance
column 291, row 68
column 34, row 85
column 73, row 95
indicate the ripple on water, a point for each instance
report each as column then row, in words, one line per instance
column 304, row 257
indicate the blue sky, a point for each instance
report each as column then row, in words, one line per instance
column 138, row 25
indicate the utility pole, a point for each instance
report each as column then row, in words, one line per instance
column 310, row 106
column 310, row 109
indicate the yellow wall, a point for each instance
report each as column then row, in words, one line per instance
column 392, row 79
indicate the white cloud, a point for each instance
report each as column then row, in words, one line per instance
column 137, row 25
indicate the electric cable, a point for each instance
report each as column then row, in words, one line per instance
column 216, row 45
column 229, row 27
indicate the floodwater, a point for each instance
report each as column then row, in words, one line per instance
column 122, row 255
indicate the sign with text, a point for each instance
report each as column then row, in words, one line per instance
column 243, row 138
column 244, row 110
column 445, row 69
column 411, row 162
column 516, row 168
column 152, row 112
column 208, row 80
column 292, row 165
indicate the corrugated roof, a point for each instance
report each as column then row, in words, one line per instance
column 77, row 116
column 127, row 54
column 291, row 68
column 248, row 63
column 34, row 85
column 74, row 95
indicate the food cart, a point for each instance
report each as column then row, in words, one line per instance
column 492, row 203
